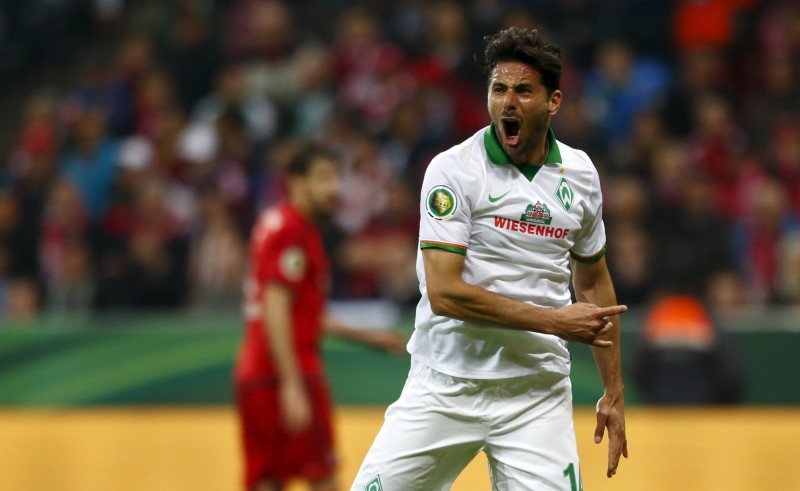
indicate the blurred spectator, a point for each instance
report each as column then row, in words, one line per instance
column 774, row 96
column 260, row 115
column 579, row 18
column 627, row 202
column 135, row 56
column 692, row 238
column 39, row 135
column 407, row 143
column 407, row 21
column 700, row 71
column 277, row 57
column 647, row 137
column 379, row 261
column 216, row 256
column 65, row 225
column 620, row 87
column 448, row 78
column 668, row 167
column 365, row 180
column 573, row 125
column 368, row 70
column 726, row 295
column 314, row 110
column 630, row 260
column 778, row 27
column 174, row 146
column 71, row 289
column 758, row 236
column 91, row 162
column 158, row 251
column 153, row 102
column 683, row 358
column 783, row 157
column 631, row 251
column 220, row 154
column 190, row 47
column 716, row 148
column 103, row 88
column 136, row 167
column 449, row 43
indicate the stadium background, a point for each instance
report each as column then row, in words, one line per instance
column 139, row 139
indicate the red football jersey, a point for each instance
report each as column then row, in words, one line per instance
column 285, row 248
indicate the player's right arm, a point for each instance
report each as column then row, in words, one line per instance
column 295, row 406
column 451, row 296
column 279, row 264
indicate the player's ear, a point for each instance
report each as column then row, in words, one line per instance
column 554, row 103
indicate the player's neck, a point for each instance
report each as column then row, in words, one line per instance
column 301, row 202
column 303, row 208
column 539, row 154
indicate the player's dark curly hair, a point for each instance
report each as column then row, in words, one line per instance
column 306, row 153
column 527, row 46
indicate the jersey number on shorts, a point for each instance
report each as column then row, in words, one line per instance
column 574, row 484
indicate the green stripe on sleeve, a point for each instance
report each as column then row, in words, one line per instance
column 445, row 247
column 590, row 259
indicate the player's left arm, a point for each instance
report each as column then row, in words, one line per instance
column 592, row 283
column 385, row 339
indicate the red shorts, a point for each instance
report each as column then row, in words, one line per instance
column 271, row 453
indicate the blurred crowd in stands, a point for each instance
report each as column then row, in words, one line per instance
column 133, row 175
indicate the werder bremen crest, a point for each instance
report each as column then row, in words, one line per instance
column 374, row 484
column 538, row 213
column 565, row 194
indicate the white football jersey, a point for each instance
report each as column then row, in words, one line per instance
column 516, row 227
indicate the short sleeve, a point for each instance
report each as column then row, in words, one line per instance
column 445, row 206
column 590, row 242
column 283, row 259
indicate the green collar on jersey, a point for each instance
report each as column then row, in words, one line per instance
column 499, row 157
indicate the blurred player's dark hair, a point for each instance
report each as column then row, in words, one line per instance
column 306, row 154
column 526, row 46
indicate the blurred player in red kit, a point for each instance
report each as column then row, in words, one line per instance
column 282, row 396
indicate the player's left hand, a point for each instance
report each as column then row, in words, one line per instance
column 611, row 415
column 296, row 411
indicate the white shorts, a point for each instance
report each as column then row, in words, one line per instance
column 440, row 423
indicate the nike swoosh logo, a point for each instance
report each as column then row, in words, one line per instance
column 493, row 199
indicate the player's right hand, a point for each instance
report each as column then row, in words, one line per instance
column 586, row 323
column 295, row 406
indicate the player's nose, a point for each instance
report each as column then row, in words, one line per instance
column 510, row 100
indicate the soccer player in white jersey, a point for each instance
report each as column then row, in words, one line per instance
column 508, row 218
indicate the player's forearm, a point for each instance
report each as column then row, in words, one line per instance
column 336, row 328
column 278, row 325
column 599, row 290
column 608, row 362
column 473, row 303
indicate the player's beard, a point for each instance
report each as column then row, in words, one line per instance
column 531, row 132
column 324, row 208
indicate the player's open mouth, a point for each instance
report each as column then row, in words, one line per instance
column 511, row 129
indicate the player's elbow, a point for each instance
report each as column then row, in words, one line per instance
column 440, row 304
column 437, row 306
